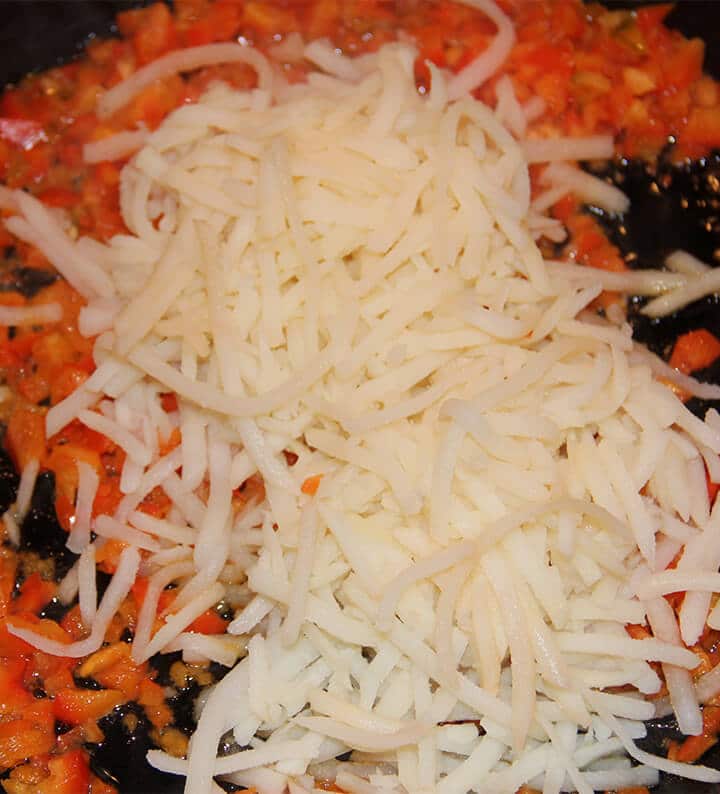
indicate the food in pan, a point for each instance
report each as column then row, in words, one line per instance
column 329, row 377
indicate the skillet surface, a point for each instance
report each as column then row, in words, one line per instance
column 38, row 34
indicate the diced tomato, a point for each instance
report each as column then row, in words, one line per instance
column 107, row 173
column 76, row 706
column 12, row 647
column 638, row 632
column 66, row 381
column 712, row 487
column 329, row 785
column 47, row 628
column 170, row 443
column 156, row 101
column 545, row 57
column 139, row 590
column 268, row 19
column 13, row 695
column 695, row 350
column 51, row 349
column 221, row 22
column 23, row 738
column 169, row 402
column 553, row 88
column 8, row 572
column 695, row 746
column 58, row 197
column 72, row 623
column 21, row 132
column 155, row 35
column 703, row 127
column 113, row 668
column 208, row 623
column 199, row 33
column 126, row 677
column 108, row 556
column 152, row 698
column 65, row 511
column 78, row 436
column 6, row 239
column 156, row 503
column 311, row 484
column 33, row 387
column 108, row 496
column 26, row 724
column 69, row 774
column 569, row 20
column 35, row 593
column 322, row 19
column 63, row 460
column 684, row 65
column 564, row 208
column 590, row 240
column 15, row 352
column 252, row 491
column 650, row 16
column 25, row 437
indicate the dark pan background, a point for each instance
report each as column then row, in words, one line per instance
column 37, row 34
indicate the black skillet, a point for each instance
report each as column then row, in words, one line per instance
column 672, row 207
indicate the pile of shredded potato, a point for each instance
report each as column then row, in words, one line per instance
column 343, row 395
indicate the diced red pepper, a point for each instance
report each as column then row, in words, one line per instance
column 695, row 746
column 703, row 127
column 69, row 774
column 695, row 350
column 25, row 436
column 66, row 381
column 8, row 572
column 23, row 738
column 13, row 695
column 124, row 676
column 152, row 699
column 208, row 623
column 166, row 446
column 311, row 484
column 21, row 132
column 58, row 197
column 169, row 402
column 712, row 487
column 76, row 706
column 44, row 626
column 221, row 23
column 684, row 65
column 651, row 16
column 35, row 593
column 139, row 589
column 155, row 35
column 12, row 647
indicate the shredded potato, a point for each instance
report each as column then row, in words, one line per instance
column 305, row 387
